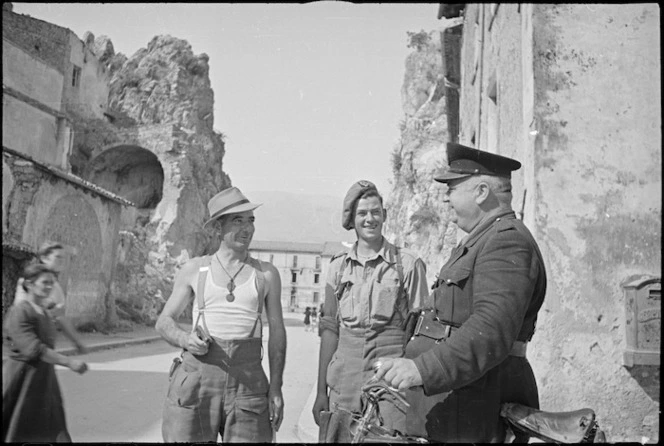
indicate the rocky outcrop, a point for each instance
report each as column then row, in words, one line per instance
column 418, row 218
column 158, row 148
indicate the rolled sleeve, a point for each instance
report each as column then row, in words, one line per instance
column 330, row 321
column 20, row 332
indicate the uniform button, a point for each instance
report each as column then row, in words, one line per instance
column 498, row 219
column 449, row 280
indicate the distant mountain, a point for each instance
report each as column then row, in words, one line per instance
column 292, row 217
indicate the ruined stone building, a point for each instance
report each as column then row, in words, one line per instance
column 572, row 91
column 302, row 267
column 115, row 157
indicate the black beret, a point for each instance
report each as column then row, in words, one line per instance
column 465, row 161
column 353, row 194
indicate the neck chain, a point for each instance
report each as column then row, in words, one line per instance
column 230, row 297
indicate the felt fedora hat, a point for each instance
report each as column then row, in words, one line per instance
column 228, row 201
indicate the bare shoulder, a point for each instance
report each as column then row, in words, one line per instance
column 268, row 269
column 190, row 268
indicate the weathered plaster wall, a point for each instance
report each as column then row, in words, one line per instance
column 90, row 97
column 30, row 75
column 589, row 75
column 27, row 127
column 43, row 40
column 598, row 167
column 45, row 207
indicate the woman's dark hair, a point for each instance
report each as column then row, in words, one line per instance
column 47, row 248
column 33, row 271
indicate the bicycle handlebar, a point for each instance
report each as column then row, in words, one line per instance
column 377, row 388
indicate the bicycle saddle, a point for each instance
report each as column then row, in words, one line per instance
column 563, row 427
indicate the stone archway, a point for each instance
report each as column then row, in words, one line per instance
column 73, row 222
column 130, row 171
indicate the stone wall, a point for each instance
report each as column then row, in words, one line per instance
column 417, row 218
column 46, row 207
column 598, row 165
column 42, row 40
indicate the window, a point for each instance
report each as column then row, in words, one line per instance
column 317, row 263
column 316, row 297
column 76, row 76
column 293, row 298
column 271, row 258
column 294, row 261
column 294, row 278
column 316, row 278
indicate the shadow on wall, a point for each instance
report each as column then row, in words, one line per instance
column 648, row 378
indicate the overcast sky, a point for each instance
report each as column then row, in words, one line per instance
column 308, row 95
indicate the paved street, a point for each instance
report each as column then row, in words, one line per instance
column 120, row 398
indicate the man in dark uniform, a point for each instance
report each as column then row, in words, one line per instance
column 488, row 293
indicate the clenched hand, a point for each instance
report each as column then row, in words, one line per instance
column 400, row 373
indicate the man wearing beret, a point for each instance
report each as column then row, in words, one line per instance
column 487, row 297
column 369, row 292
column 219, row 386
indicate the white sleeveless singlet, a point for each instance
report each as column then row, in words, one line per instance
column 230, row 320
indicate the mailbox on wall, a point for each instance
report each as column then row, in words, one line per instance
column 643, row 320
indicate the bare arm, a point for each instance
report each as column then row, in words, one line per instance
column 276, row 345
column 182, row 294
column 329, row 340
column 277, row 341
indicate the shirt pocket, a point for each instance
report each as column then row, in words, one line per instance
column 453, row 297
column 346, row 301
column 384, row 305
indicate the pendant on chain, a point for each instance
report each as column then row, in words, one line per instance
column 230, row 297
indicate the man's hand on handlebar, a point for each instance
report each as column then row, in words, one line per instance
column 400, row 373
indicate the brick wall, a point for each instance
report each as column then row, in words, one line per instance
column 41, row 39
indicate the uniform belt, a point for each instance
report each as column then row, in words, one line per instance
column 519, row 349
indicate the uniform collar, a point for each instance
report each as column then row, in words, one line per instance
column 386, row 251
column 485, row 224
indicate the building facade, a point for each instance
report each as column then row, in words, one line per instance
column 42, row 199
column 573, row 91
column 302, row 267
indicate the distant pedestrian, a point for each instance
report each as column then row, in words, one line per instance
column 52, row 255
column 314, row 319
column 321, row 314
column 32, row 407
column 307, row 319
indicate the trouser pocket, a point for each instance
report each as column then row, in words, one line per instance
column 185, row 383
column 250, row 421
column 183, row 424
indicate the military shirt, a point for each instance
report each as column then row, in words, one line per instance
column 372, row 293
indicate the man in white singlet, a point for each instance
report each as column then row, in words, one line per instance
column 219, row 386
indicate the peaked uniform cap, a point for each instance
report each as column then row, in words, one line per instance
column 465, row 161
column 228, row 201
column 353, row 194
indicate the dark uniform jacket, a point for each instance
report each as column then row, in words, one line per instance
column 493, row 285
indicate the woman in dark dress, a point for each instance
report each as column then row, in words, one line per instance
column 32, row 409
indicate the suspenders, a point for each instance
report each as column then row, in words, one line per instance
column 200, row 293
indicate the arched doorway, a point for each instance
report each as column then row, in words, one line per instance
column 130, row 171
column 73, row 222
